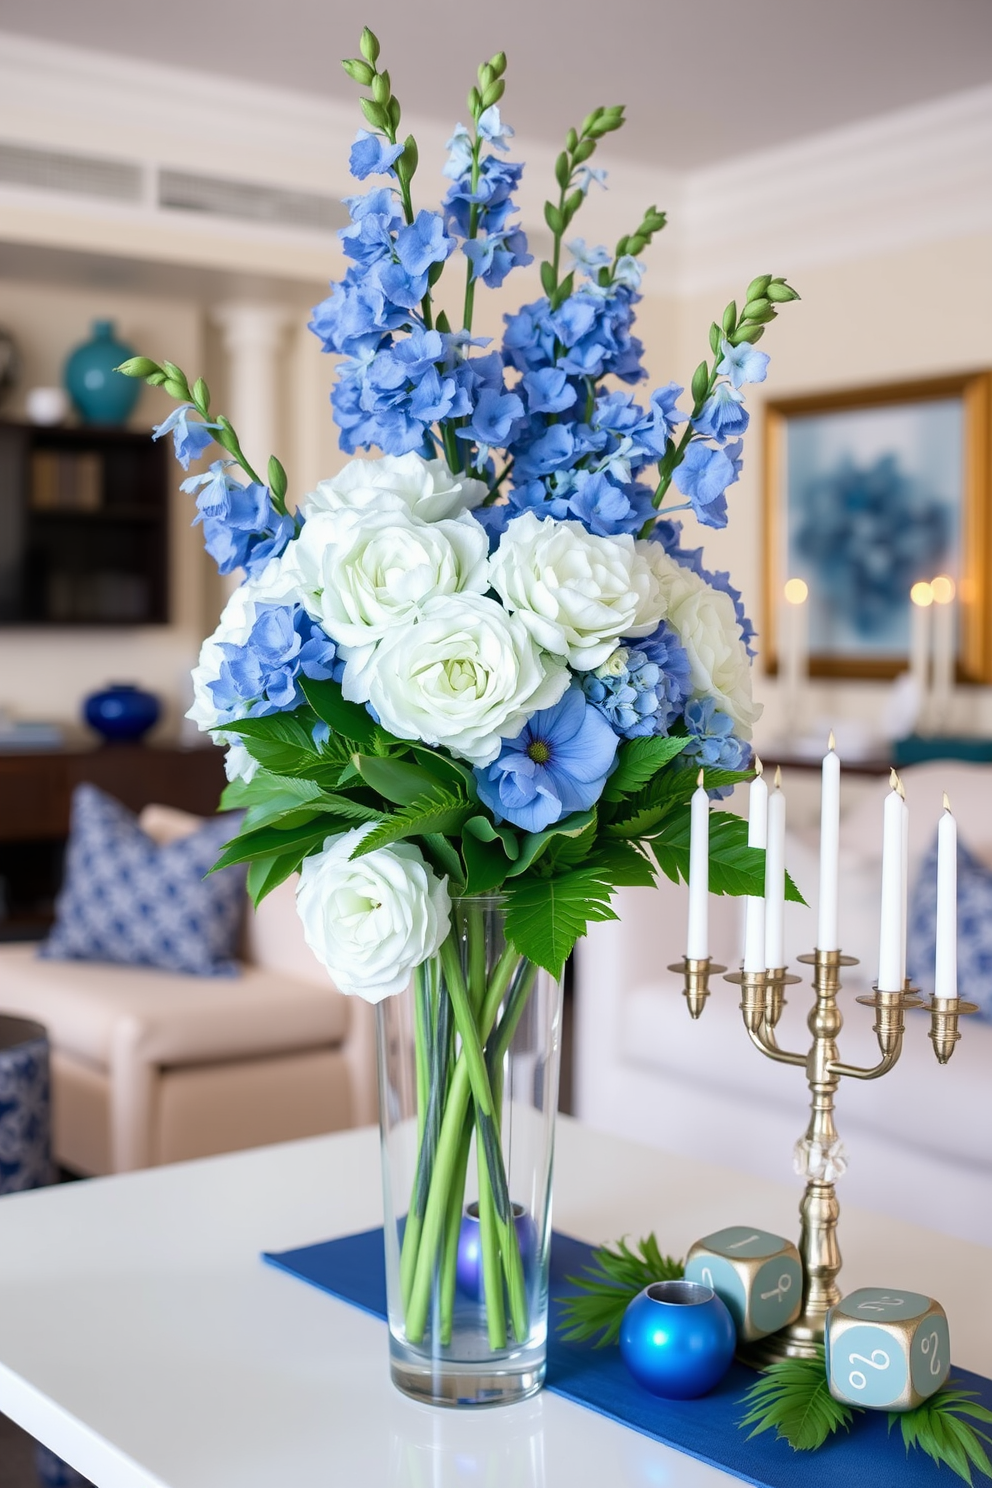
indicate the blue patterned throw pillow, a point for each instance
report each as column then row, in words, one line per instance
column 124, row 898
column 974, row 928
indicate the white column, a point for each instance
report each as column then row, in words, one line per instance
column 253, row 337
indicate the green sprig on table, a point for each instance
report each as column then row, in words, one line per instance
column 609, row 1285
column 792, row 1399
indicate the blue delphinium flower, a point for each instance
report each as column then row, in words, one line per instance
column 712, row 740
column 372, row 155
column 625, row 690
column 703, row 476
column 190, row 439
column 742, row 363
column 723, row 415
column 241, row 528
column 496, row 244
column 262, row 676
column 557, row 764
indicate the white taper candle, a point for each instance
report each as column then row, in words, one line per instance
column 892, row 925
column 826, row 927
column 697, row 935
column 775, row 879
column 946, row 969
column 920, row 639
column 754, row 912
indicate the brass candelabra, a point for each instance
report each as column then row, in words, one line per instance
column 819, row 1156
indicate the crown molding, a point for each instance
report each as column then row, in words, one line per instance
column 920, row 175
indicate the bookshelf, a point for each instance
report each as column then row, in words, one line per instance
column 84, row 536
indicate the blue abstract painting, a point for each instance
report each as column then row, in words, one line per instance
column 874, row 500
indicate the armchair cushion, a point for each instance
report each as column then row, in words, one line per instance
column 127, row 898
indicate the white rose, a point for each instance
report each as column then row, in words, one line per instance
column 426, row 488
column 706, row 623
column 361, row 573
column 371, row 920
column 274, row 585
column 576, row 593
column 464, row 675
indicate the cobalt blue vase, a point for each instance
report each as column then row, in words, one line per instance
column 677, row 1339
column 121, row 712
column 100, row 394
column 25, row 1106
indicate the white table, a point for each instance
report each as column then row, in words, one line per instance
column 142, row 1338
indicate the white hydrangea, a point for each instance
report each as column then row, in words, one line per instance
column 576, row 593
column 360, row 573
column 465, row 675
column 371, row 920
column 427, row 488
column 705, row 621
column 274, row 585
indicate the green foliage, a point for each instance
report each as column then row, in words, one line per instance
column 735, row 868
column 432, row 813
column 939, row 1429
column 792, row 1399
column 609, row 1285
column 638, row 762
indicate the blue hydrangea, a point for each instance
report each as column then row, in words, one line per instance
column 625, row 690
column 241, row 527
column 190, row 439
column 262, row 676
column 665, row 650
column 557, row 764
column 712, row 740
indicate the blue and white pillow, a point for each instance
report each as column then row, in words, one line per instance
column 127, row 899
column 974, row 928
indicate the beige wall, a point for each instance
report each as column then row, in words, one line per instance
column 894, row 317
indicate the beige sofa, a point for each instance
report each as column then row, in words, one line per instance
column 153, row 1067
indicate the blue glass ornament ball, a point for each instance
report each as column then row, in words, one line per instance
column 468, row 1266
column 677, row 1339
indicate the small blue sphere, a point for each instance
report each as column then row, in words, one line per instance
column 677, row 1339
column 468, row 1265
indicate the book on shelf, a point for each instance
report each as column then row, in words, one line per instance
column 66, row 480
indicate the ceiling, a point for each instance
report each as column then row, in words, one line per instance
column 703, row 82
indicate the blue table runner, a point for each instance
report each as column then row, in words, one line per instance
column 353, row 1270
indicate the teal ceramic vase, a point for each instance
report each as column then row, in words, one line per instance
column 99, row 393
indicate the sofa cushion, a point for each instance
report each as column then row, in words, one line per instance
column 974, row 928
column 128, row 899
column 178, row 1019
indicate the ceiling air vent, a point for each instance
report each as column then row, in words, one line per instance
column 217, row 196
column 60, row 170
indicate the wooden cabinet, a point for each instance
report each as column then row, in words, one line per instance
column 35, row 795
column 84, row 530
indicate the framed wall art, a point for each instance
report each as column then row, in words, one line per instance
column 868, row 492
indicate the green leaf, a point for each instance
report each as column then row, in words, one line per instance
column 273, row 841
column 546, row 916
column 939, row 1428
column 665, row 793
column 445, row 857
column 485, row 830
column 638, row 762
column 431, row 813
column 793, row 1400
column 266, row 874
column 486, row 863
column 607, row 1287
column 533, row 844
column 349, row 719
column 395, row 780
column 282, row 742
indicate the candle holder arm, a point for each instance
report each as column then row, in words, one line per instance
column 762, row 1001
column 889, row 1027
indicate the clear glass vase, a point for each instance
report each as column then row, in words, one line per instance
column 468, row 1090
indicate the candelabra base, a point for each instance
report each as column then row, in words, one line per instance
column 800, row 1340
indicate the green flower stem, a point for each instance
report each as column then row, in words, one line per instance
column 452, row 1233
column 476, row 932
column 492, row 1271
column 473, row 232
column 468, row 1031
column 421, row 1035
column 445, row 1173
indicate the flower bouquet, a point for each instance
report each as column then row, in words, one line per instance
column 467, row 688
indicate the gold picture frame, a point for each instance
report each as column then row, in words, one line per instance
column 973, row 545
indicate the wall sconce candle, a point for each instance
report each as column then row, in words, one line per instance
column 794, row 647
